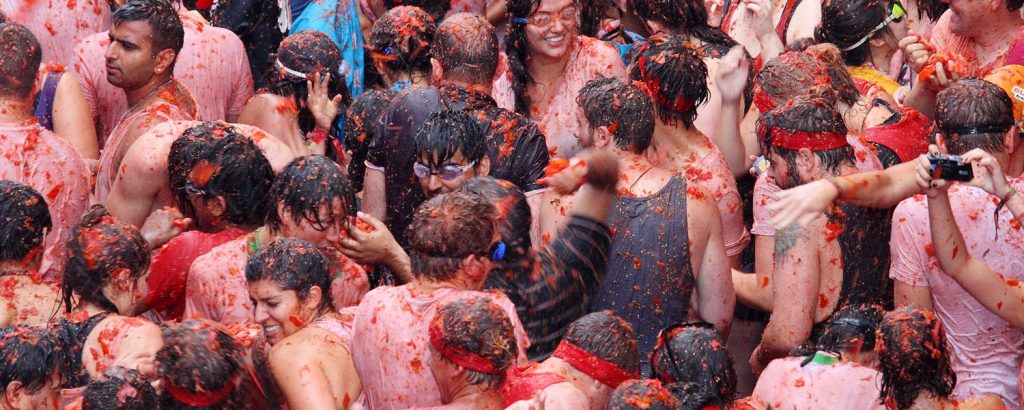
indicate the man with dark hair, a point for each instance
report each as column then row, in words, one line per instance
column 838, row 259
column 32, row 379
column 24, row 221
column 311, row 199
column 455, row 244
column 598, row 353
column 987, row 350
column 34, row 156
column 450, row 148
column 195, row 375
column 464, row 62
column 211, row 64
column 677, row 79
column 220, row 180
column 472, row 344
column 121, row 389
column 145, row 40
column 667, row 242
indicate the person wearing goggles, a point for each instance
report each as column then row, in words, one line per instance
column 867, row 32
column 451, row 147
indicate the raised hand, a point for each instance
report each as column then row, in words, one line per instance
column 731, row 77
column 323, row 108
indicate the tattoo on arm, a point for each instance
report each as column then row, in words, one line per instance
column 786, row 239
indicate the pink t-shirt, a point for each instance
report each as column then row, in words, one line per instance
column 946, row 41
column 35, row 156
column 589, row 59
column 713, row 174
column 784, row 384
column 212, row 64
column 216, row 289
column 58, row 24
column 865, row 158
column 389, row 345
column 986, row 350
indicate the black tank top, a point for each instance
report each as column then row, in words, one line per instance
column 74, row 336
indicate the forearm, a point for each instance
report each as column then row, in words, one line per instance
column 750, row 292
column 727, row 137
column 400, row 264
column 771, row 46
column 878, row 189
column 593, row 202
column 374, row 196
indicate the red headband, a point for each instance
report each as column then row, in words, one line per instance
column 761, row 100
column 458, row 354
column 814, row 141
column 678, row 104
column 597, row 368
column 196, row 399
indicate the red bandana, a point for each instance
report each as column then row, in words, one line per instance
column 195, row 399
column 458, row 354
column 679, row 104
column 814, row 141
column 761, row 100
column 599, row 369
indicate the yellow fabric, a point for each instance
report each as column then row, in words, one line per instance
column 874, row 77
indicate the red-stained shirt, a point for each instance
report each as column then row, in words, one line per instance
column 785, row 384
column 946, row 41
column 390, row 339
column 36, row 157
column 58, row 24
column 169, row 271
column 212, row 64
column 713, row 174
column 588, row 59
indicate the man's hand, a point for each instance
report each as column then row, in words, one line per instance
column 596, row 167
column 163, row 225
column 916, row 51
column 803, row 203
column 369, row 241
column 731, row 77
column 323, row 108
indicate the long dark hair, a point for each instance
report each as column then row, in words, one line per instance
column 913, row 357
column 517, row 48
column 845, row 22
column 684, row 18
column 98, row 246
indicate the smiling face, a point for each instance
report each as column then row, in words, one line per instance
column 552, row 29
column 333, row 230
column 279, row 311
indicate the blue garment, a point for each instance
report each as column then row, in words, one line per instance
column 297, row 6
column 340, row 21
column 624, row 49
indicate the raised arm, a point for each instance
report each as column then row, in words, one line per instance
column 730, row 80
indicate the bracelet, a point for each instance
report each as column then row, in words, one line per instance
column 317, row 136
column 835, row 182
column 1002, row 203
column 1008, row 195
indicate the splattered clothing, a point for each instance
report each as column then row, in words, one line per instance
column 389, row 344
column 986, row 350
column 53, row 167
column 56, row 24
column 216, row 288
column 712, row 173
column 785, row 384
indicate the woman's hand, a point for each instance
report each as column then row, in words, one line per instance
column 323, row 108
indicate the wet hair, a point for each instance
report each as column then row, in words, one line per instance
column 360, row 121
column 306, row 184
column 517, row 49
column 401, row 39
column 120, row 389
column 675, row 77
column 22, row 56
column 646, row 394
column 30, row 355
column 163, row 20
column 814, row 115
column 448, row 228
column 292, row 264
column 479, row 326
column 622, row 107
column 912, row 357
column 684, row 18
column 702, row 373
column 606, row 336
column 973, row 102
column 467, row 48
column 1012, row 5
column 797, row 73
column 3, row 18
column 846, row 326
column 199, row 356
column 227, row 164
column 513, row 211
column 24, row 220
column 591, row 12
column 98, row 246
column 447, row 132
column 307, row 52
column 436, row 8
column 845, row 22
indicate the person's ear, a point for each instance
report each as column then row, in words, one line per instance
column 164, row 60
column 940, row 141
column 12, row 395
column 122, row 279
column 602, row 137
column 483, row 167
column 217, row 206
column 806, row 160
column 1010, row 139
column 877, row 41
column 283, row 213
column 313, row 298
column 436, row 71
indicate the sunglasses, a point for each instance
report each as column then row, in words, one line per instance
column 896, row 14
column 447, row 172
column 566, row 16
column 191, row 188
column 497, row 251
column 666, row 334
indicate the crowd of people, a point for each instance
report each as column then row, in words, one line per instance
column 511, row 204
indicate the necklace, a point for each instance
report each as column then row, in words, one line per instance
column 146, row 97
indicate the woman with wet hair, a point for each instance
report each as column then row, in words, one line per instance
column 548, row 64
column 24, row 222
column 915, row 364
column 692, row 362
column 867, row 32
column 400, row 47
column 202, row 367
column 310, row 361
column 104, row 284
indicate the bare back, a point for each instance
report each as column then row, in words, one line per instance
column 27, row 301
column 314, row 369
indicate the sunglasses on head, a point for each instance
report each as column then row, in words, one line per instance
column 447, row 172
column 896, row 14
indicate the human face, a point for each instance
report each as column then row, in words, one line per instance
column 967, row 16
column 334, row 229
column 552, row 29
column 586, row 135
column 434, row 185
column 779, row 170
column 47, row 397
column 131, row 60
column 280, row 312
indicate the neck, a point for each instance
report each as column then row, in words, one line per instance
column 881, row 57
column 1016, row 162
column 15, row 111
column 10, row 266
column 1000, row 26
column 480, row 88
column 674, row 138
column 847, row 168
column 545, row 70
column 928, row 400
column 474, row 396
column 425, row 285
column 590, row 388
column 136, row 95
column 91, row 309
column 415, row 78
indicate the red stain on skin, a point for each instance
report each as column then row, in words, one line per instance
column 930, row 249
column 956, row 249
column 297, row 321
column 764, row 282
column 822, row 300
column 833, row 230
column 1013, row 282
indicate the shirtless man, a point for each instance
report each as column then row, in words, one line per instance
column 33, row 155
column 836, row 260
column 142, row 185
column 23, row 224
column 144, row 44
column 31, row 382
column 678, row 79
column 598, row 353
column 648, row 266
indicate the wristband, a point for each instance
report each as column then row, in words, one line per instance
column 835, row 182
column 317, row 136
